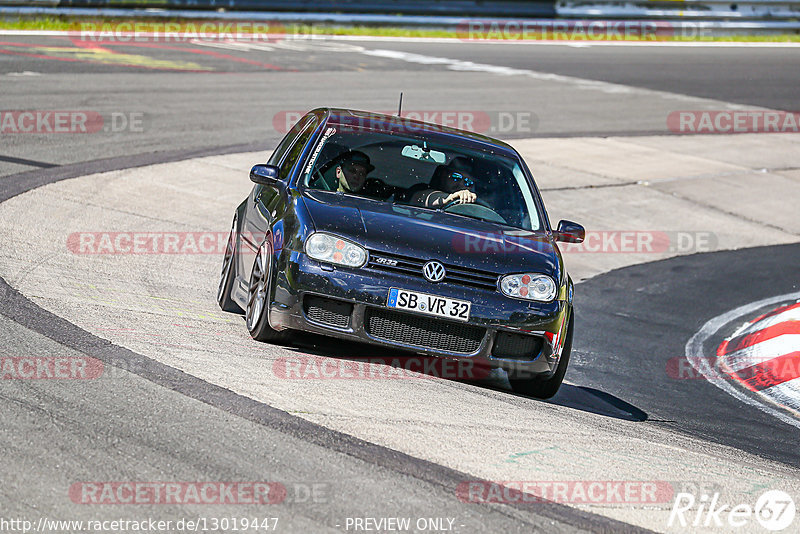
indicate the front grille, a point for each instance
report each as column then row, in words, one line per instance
column 421, row 331
column 516, row 346
column 407, row 265
column 328, row 311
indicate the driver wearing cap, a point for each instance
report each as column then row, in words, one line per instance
column 352, row 171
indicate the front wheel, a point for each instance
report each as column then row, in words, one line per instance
column 546, row 388
column 258, row 298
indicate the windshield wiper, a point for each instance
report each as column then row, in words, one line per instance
column 476, row 217
column 418, row 206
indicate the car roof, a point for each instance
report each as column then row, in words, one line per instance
column 430, row 131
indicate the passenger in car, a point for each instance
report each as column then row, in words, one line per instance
column 352, row 171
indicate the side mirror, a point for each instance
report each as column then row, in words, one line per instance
column 570, row 232
column 264, row 174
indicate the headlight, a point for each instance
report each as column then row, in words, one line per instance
column 332, row 249
column 529, row 286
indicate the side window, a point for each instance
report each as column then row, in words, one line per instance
column 286, row 142
column 297, row 148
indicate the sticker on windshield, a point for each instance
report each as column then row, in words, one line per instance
column 329, row 132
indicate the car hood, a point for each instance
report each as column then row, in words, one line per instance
column 428, row 234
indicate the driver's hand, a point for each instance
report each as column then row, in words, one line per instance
column 465, row 196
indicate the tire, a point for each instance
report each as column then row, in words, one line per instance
column 259, row 297
column 545, row 388
column 228, row 275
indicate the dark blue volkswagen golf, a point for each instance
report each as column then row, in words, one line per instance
column 400, row 233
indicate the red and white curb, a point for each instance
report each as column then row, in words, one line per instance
column 762, row 356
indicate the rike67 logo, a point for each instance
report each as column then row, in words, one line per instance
column 774, row 510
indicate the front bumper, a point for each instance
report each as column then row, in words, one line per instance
column 496, row 322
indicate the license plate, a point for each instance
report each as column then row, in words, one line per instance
column 429, row 304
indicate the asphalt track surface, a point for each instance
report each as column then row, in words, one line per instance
column 650, row 323
column 198, row 96
column 165, row 424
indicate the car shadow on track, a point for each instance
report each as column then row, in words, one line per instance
column 349, row 355
column 597, row 402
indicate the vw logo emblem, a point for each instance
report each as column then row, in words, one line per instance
column 433, row 271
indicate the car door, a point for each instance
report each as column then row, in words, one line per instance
column 265, row 203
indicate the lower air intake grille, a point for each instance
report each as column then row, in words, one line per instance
column 422, row 331
column 328, row 311
column 516, row 346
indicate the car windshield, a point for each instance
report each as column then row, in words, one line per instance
column 411, row 170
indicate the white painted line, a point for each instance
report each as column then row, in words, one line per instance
column 580, row 83
column 470, row 66
column 695, row 355
column 785, row 394
column 232, row 45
